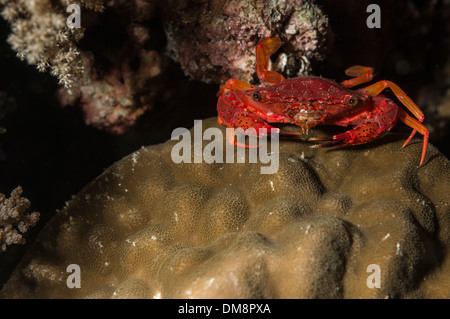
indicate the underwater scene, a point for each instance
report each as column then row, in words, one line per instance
column 225, row 149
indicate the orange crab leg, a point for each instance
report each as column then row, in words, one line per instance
column 234, row 84
column 417, row 126
column 378, row 87
column 362, row 74
column 263, row 51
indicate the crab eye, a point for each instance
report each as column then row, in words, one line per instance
column 351, row 100
column 256, row 96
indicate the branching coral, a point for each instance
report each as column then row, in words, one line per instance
column 148, row 227
column 41, row 36
column 14, row 218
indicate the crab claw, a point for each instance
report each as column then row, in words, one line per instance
column 367, row 131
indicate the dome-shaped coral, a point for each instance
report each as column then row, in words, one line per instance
column 148, row 227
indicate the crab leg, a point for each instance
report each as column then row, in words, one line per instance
column 378, row 87
column 417, row 126
column 263, row 51
column 234, row 84
column 362, row 74
column 245, row 121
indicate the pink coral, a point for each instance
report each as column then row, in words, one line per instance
column 116, row 100
column 116, row 66
column 121, row 78
column 215, row 40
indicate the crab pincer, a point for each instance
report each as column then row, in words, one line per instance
column 310, row 101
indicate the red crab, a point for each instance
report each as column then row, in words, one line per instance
column 310, row 101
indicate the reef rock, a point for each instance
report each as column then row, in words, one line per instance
column 215, row 40
column 354, row 222
column 115, row 65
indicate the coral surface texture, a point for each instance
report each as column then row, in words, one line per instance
column 355, row 222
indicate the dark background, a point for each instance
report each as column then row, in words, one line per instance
column 52, row 154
